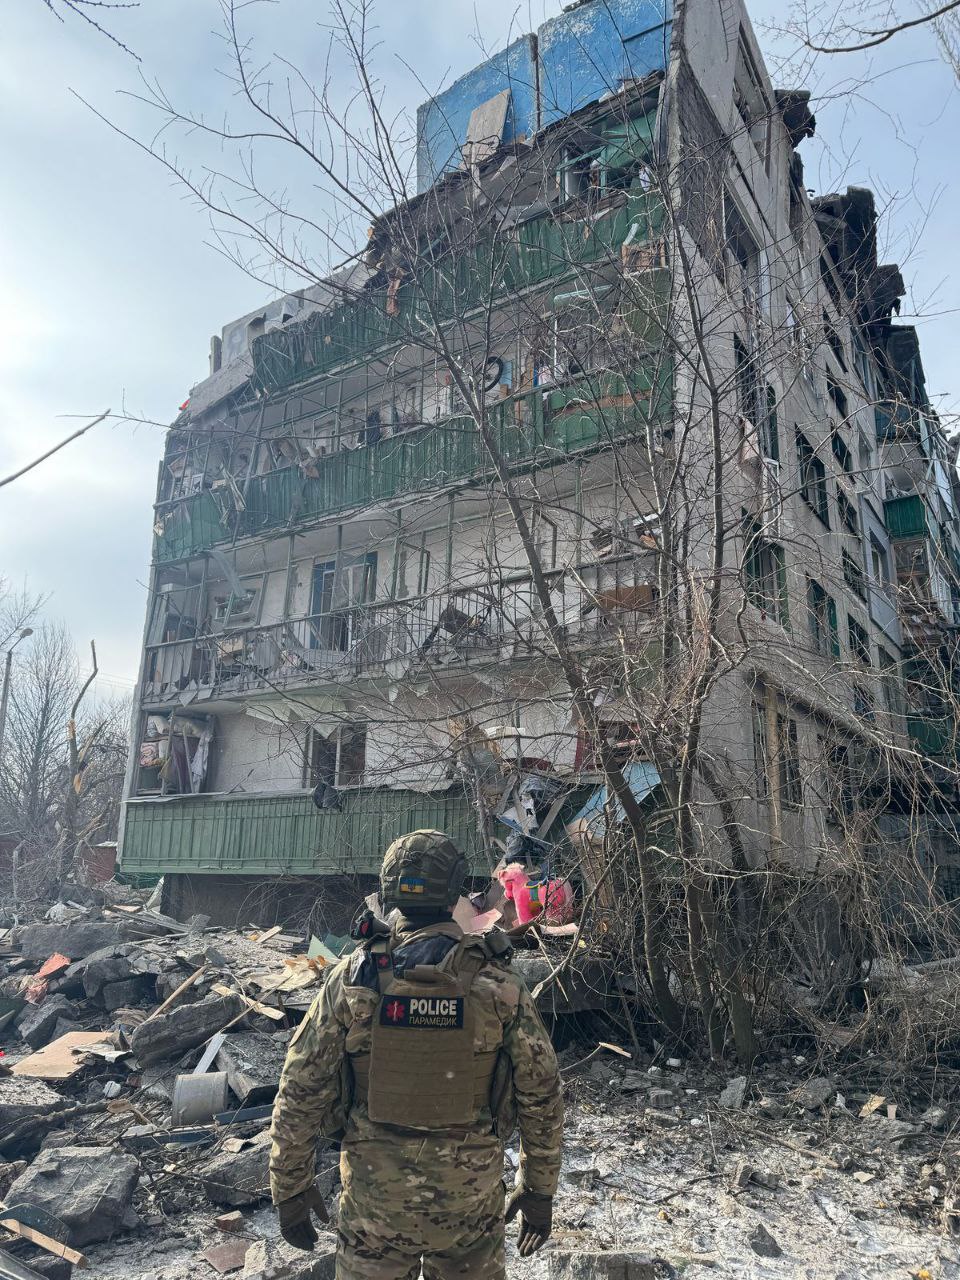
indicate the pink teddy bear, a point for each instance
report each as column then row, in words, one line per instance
column 551, row 899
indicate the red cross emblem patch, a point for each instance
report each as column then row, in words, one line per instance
column 396, row 1011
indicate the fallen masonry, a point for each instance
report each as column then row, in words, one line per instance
column 670, row 1167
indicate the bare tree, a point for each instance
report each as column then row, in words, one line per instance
column 94, row 13
column 665, row 619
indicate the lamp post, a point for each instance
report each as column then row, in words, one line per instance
column 5, row 697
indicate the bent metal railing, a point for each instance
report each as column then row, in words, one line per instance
column 454, row 625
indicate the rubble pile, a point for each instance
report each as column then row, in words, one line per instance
column 140, row 1058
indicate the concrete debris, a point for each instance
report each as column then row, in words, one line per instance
column 235, row 1179
column 91, row 1195
column 562, row 1265
column 815, row 1093
column 225, row 1258
column 253, row 1063
column 937, row 1118
column 232, row 1223
column 763, row 1244
column 731, row 1099
column 279, row 1261
column 38, row 1023
column 76, row 939
column 21, row 1098
column 182, row 1028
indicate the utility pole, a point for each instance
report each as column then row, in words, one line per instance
column 5, row 697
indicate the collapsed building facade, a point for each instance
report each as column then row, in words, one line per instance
column 613, row 253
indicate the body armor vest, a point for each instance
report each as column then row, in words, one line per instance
column 422, row 1071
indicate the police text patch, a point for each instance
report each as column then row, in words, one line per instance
column 432, row 1013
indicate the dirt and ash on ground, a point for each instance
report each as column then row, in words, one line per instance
column 671, row 1168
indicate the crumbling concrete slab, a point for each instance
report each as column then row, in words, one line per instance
column 123, row 995
column 237, row 1178
column 89, row 1189
column 77, row 939
column 21, row 1098
column 276, row 1260
column 37, row 1024
column 253, row 1063
column 182, row 1028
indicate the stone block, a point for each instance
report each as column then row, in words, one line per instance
column 276, row 1260
column 89, row 1188
column 38, row 1022
column 76, row 939
column 183, row 1028
column 237, row 1178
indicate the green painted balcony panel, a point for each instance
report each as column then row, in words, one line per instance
column 188, row 527
column 285, row 834
column 906, row 517
column 549, row 248
column 933, row 735
column 537, row 429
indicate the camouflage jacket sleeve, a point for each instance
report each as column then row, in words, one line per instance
column 309, row 1100
column 536, row 1082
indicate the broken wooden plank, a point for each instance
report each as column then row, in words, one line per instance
column 270, row 933
column 59, row 1060
column 277, row 1015
column 56, row 1247
column 174, row 996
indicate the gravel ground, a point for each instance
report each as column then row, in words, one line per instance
column 654, row 1165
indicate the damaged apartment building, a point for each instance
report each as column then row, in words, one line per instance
column 345, row 639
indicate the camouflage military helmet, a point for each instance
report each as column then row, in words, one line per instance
column 422, row 870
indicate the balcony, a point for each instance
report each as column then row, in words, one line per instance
column 933, row 735
column 537, row 429
column 285, row 834
column 540, row 250
column 451, row 628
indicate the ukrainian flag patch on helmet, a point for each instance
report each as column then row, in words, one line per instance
column 412, row 885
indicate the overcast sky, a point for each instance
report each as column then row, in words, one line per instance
column 111, row 287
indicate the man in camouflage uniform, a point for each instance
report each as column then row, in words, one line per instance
column 420, row 1187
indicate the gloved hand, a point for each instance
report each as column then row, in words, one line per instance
column 295, row 1224
column 536, row 1219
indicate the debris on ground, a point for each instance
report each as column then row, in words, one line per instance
column 141, row 1056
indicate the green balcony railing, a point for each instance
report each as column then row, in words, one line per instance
column 933, row 735
column 285, row 834
column 906, row 517
column 538, row 429
column 550, row 248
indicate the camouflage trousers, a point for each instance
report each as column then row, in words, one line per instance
column 439, row 1200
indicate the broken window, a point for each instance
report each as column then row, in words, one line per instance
column 750, row 100
column 839, row 397
column 788, row 762
column 834, row 342
column 813, row 479
column 879, row 563
column 338, row 588
column 853, row 575
column 841, row 450
column 336, row 759
column 822, row 616
column 890, row 681
column 748, row 385
column 859, row 640
column 769, row 433
column 847, row 512
column 765, row 574
column 785, row 759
